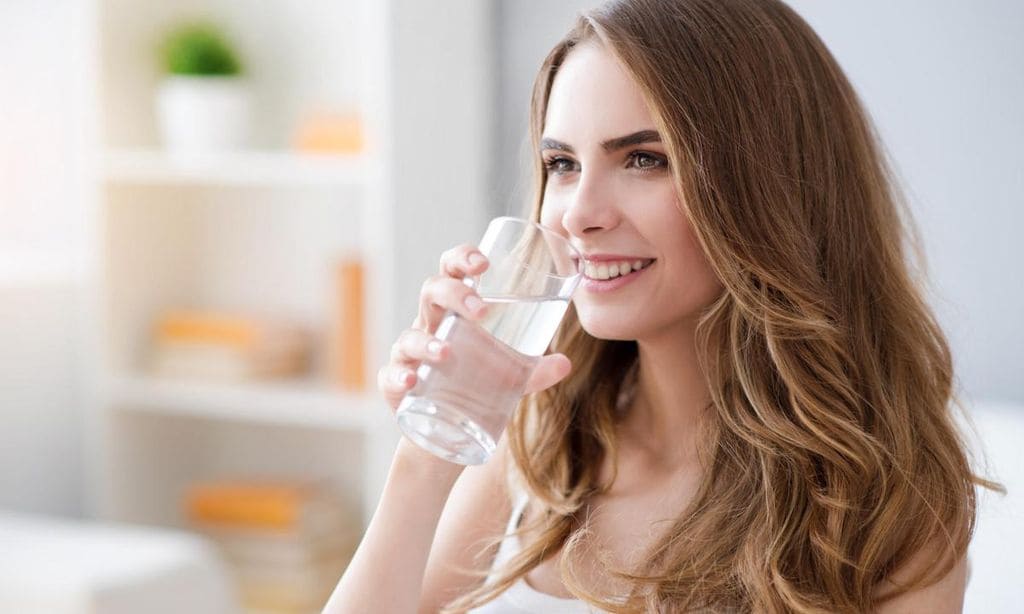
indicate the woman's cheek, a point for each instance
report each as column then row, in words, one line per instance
column 551, row 214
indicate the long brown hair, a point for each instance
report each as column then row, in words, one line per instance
column 831, row 452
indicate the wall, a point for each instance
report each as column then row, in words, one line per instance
column 443, row 82
column 43, row 213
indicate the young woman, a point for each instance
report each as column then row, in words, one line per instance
column 755, row 419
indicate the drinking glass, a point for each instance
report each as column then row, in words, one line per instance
column 459, row 408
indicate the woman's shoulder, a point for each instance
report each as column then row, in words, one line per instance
column 475, row 515
column 939, row 578
column 488, row 491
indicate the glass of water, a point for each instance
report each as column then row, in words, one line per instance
column 459, row 408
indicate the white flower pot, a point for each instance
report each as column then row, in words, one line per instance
column 203, row 114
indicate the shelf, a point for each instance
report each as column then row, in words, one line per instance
column 291, row 403
column 244, row 168
column 257, row 229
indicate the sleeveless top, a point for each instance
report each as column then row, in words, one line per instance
column 521, row 598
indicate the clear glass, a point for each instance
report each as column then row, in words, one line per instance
column 459, row 408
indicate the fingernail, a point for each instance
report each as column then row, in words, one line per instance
column 434, row 347
column 474, row 303
column 401, row 377
column 476, row 259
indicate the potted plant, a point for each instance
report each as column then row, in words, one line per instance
column 203, row 103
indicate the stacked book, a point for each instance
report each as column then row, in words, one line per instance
column 225, row 346
column 286, row 544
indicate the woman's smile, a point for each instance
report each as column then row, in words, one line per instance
column 608, row 275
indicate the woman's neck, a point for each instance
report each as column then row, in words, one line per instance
column 669, row 400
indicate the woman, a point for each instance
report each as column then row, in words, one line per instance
column 759, row 419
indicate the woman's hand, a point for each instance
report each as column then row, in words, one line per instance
column 440, row 293
column 386, row 574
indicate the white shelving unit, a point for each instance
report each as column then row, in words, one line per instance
column 290, row 403
column 254, row 169
column 258, row 231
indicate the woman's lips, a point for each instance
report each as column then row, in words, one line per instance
column 610, row 285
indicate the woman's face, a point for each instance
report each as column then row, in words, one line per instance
column 610, row 191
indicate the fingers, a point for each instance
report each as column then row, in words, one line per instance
column 413, row 347
column 440, row 294
column 463, row 260
column 394, row 381
column 446, row 290
column 550, row 370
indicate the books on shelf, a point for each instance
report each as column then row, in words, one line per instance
column 285, row 543
column 227, row 347
column 330, row 132
column 348, row 347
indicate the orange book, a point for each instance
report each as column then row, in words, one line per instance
column 349, row 342
column 286, row 542
column 251, row 505
column 227, row 346
column 330, row 133
column 223, row 329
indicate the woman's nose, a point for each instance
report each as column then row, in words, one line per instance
column 591, row 208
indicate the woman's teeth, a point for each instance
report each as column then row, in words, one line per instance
column 609, row 270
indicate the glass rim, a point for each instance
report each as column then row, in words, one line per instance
column 573, row 253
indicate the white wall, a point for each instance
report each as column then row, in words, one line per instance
column 442, row 88
column 42, row 216
column 41, row 414
column 944, row 82
column 526, row 31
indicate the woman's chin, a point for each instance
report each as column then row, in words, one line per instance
column 609, row 329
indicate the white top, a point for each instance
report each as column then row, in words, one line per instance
column 521, row 598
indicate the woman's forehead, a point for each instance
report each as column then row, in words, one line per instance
column 594, row 98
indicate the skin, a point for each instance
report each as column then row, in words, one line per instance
column 611, row 199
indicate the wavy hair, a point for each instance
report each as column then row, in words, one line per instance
column 831, row 453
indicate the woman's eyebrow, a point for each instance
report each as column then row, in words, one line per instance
column 553, row 144
column 643, row 136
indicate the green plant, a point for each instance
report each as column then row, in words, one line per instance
column 198, row 48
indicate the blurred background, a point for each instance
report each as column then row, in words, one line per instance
column 215, row 217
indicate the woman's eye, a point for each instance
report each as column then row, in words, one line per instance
column 646, row 162
column 559, row 166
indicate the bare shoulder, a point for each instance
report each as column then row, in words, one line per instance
column 946, row 596
column 477, row 510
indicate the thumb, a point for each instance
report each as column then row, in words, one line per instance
column 550, row 370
